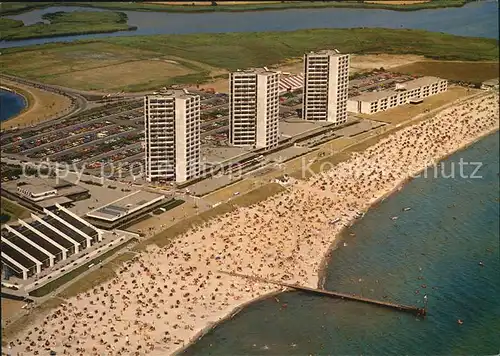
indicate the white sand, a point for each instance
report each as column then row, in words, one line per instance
column 163, row 298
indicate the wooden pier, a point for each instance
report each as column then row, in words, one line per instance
column 406, row 308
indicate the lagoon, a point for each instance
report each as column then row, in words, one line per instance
column 11, row 104
column 477, row 19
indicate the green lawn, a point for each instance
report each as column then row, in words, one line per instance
column 19, row 7
column 9, row 24
column 12, row 210
column 84, row 64
column 241, row 50
column 65, row 23
column 51, row 286
column 433, row 4
column 10, row 8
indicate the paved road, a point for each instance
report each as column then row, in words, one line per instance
column 81, row 101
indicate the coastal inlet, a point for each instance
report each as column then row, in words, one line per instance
column 11, row 104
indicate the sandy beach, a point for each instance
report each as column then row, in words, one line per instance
column 164, row 297
column 42, row 106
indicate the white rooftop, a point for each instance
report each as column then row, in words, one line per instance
column 409, row 85
column 125, row 206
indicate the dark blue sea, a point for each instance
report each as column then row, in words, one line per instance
column 434, row 249
column 11, row 104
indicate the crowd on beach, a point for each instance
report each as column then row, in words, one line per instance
column 162, row 298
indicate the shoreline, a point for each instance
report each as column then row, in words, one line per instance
column 55, row 35
column 29, row 101
column 236, row 310
column 337, row 238
column 37, row 100
column 325, row 259
column 271, row 233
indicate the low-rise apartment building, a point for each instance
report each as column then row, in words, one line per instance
column 403, row 93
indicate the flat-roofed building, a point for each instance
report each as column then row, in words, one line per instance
column 36, row 192
column 39, row 193
column 125, row 209
column 413, row 91
column 326, row 84
column 29, row 248
column 290, row 82
column 172, row 136
column 254, row 108
column 491, row 84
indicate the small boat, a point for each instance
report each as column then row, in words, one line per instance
column 481, row 263
column 345, row 244
column 394, row 218
column 406, row 209
column 460, row 321
column 334, row 221
column 359, row 214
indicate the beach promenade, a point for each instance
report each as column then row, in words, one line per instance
column 165, row 297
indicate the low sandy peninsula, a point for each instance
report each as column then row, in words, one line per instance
column 42, row 105
column 165, row 297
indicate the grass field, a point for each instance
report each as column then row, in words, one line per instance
column 123, row 76
column 473, row 72
column 96, row 277
column 12, row 209
column 104, row 66
column 206, row 6
column 65, row 23
column 9, row 24
column 133, row 63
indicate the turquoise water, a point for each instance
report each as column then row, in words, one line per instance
column 11, row 104
column 434, row 249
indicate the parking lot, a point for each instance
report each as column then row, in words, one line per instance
column 111, row 133
column 109, row 139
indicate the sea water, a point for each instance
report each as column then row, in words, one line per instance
column 446, row 247
column 11, row 104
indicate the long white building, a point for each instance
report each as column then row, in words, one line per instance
column 412, row 91
column 326, row 83
column 29, row 248
column 172, row 136
column 254, row 108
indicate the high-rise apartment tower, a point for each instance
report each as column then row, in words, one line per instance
column 254, row 108
column 172, row 136
column 326, row 83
